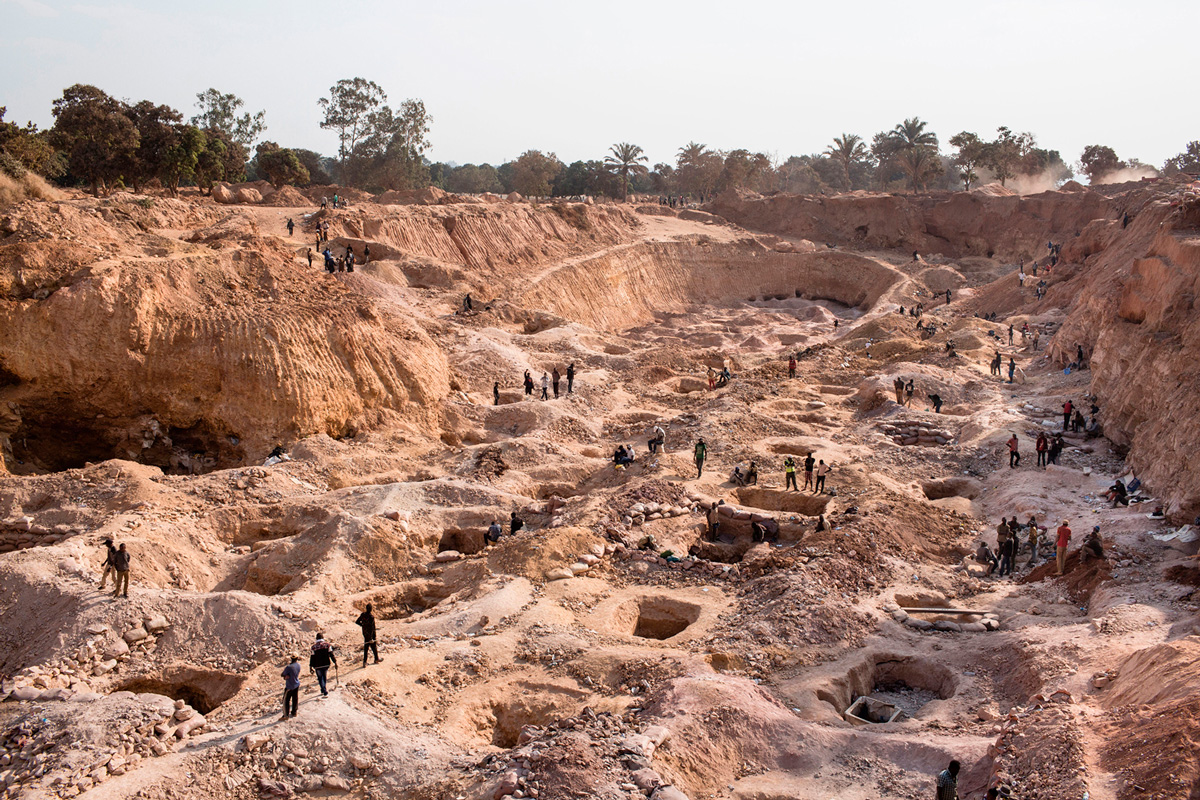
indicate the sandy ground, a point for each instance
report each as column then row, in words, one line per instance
column 721, row 671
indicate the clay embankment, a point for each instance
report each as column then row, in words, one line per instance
column 1134, row 314
column 626, row 286
column 952, row 224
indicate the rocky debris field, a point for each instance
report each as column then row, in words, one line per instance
column 614, row 646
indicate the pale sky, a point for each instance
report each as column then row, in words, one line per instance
column 573, row 77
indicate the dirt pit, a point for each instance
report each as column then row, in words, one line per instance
column 655, row 617
column 401, row 601
column 941, row 488
column 500, row 721
column 202, row 689
column 907, row 682
column 809, row 505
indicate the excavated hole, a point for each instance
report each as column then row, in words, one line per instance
column 906, row 682
column 202, row 689
column 464, row 541
column 508, row 716
column 655, row 617
column 806, row 503
column 403, row 600
column 942, row 488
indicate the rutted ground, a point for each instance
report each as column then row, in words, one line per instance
column 722, row 669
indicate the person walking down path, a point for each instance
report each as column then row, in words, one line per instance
column 545, row 386
column 698, row 455
column 291, row 688
column 555, row 377
column 110, row 567
column 909, row 388
column 321, row 658
column 789, row 474
column 947, row 782
column 290, row 226
column 1064, row 539
column 1014, row 454
column 121, row 565
column 366, row 621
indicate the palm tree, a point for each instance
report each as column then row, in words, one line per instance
column 691, row 154
column 911, row 133
column 847, row 149
column 624, row 160
column 920, row 164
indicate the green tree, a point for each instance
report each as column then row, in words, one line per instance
column 1097, row 161
column 588, row 178
column 180, row 157
column 911, row 133
column 156, row 127
column 94, row 132
column 350, row 110
column 697, row 169
column 534, row 172
column 798, row 175
column 662, row 178
column 744, row 170
column 317, row 165
column 971, row 152
column 921, row 165
column 392, row 151
column 1003, row 155
column 280, row 165
column 1187, row 161
column 625, row 159
column 219, row 112
column 30, row 147
column 847, row 150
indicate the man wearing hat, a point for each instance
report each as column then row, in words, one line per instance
column 291, row 688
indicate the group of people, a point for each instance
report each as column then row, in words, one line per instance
column 717, row 380
column 1002, row 560
column 494, row 530
column 551, row 380
column 344, row 262
column 116, row 563
column 321, row 657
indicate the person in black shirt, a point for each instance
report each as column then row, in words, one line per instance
column 366, row 621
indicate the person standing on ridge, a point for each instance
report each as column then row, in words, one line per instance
column 789, row 474
column 496, row 393
column 545, row 386
column 1041, row 446
column 555, row 377
column 1064, row 539
column 571, row 377
column 320, row 660
column 109, row 563
column 810, row 464
column 1012, row 368
column 792, row 366
column 822, row 471
column 1014, row 454
column 528, row 384
column 366, row 621
column 121, row 565
column 290, row 226
column 698, row 455
column 1068, row 407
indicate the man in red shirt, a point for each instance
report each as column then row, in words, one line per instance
column 1064, row 537
column 1014, row 454
column 1068, row 407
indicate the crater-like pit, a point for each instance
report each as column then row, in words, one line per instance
column 403, row 600
column 202, row 689
column 806, row 503
column 655, row 616
column 908, row 683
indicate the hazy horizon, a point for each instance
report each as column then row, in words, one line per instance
column 502, row 78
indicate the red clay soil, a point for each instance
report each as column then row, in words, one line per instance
column 1159, row 747
column 1081, row 579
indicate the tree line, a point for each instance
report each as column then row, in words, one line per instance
column 104, row 143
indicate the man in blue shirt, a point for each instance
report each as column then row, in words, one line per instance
column 291, row 688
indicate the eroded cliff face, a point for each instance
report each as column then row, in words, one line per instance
column 954, row 224
column 1135, row 315
column 625, row 286
column 184, row 355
